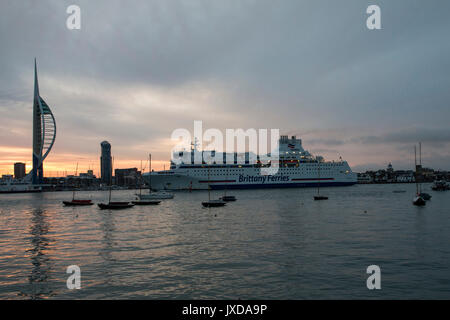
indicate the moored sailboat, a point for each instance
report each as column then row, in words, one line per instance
column 440, row 186
column 77, row 202
column 318, row 196
column 139, row 201
column 225, row 197
column 114, row 205
column 152, row 195
column 417, row 200
column 212, row 203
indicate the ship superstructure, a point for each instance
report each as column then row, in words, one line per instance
column 296, row 168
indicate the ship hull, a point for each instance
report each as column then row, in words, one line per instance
column 21, row 191
column 184, row 181
column 19, row 188
column 282, row 185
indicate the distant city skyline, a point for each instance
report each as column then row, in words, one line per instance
column 367, row 96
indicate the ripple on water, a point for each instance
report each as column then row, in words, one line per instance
column 270, row 244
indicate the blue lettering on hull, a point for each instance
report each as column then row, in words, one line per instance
column 280, row 185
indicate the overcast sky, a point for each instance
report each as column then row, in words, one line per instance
column 137, row 70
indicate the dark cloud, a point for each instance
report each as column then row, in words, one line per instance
column 435, row 136
column 138, row 70
column 327, row 142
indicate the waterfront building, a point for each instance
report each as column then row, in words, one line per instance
column 405, row 176
column 390, row 175
column 106, row 163
column 88, row 174
column 364, row 178
column 130, row 177
column 390, row 169
column 83, row 182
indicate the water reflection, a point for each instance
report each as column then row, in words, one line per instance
column 39, row 278
column 277, row 244
column 108, row 228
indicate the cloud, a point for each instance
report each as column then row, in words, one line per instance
column 135, row 72
column 431, row 136
column 327, row 142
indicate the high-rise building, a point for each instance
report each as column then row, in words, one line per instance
column 106, row 163
column 44, row 132
column 19, row 170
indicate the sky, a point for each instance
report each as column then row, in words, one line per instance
column 138, row 70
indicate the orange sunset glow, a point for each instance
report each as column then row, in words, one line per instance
column 60, row 165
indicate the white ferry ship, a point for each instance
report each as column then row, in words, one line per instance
column 18, row 187
column 297, row 168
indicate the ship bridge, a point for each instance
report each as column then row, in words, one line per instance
column 291, row 148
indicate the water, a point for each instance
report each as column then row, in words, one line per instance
column 270, row 244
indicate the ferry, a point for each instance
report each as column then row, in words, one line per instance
column 297, row 168
column 18, row 187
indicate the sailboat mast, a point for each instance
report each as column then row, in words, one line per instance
column 420, row 154
column 76, row 173
column 110, row 182
column 318, row 177
column 150, row 172
column 415, row 165
column 140, row 184
column 209, row 187
column 226, row 184
column 420, row 166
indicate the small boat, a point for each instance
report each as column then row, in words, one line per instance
column 115, row 205
column 425, row 196
column 228, row 198
column 74, row 203
column 419, row 201
column 440, row 186
column 158, row 195
column 77, row 202
column 399, row 191
column 319, row 197
column 146, row 202
column 18, row 187
column 225, row 197
column 214, row 203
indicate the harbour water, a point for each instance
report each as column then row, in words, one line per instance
column 270, row 244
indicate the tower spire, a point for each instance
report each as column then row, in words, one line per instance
column 44, row 131
column 36, row 83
